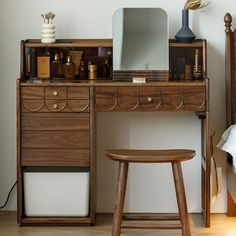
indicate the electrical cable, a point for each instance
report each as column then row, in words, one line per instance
column 9, row 194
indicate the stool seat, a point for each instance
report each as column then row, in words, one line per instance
column 150, row 156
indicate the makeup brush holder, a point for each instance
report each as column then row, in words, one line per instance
column 48, row 33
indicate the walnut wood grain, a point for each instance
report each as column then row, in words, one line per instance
column 55, row 139
column 120, row 197
column 18, row 148
column 231, row 204
column 230, row 73
column 173, row 156
column 142, row 98
column 55, row 92
column 59, row 121
column 150, row 98
column 151, row 216
column 127, row 98
column 150, row 156
column 181, row 199
column 55, row 221
column 78, row 92
column 58, row 105
column 55, row 157
column 92, row 176
column 32, row 92
column 131, row 225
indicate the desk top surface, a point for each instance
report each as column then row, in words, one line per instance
column 95, row 83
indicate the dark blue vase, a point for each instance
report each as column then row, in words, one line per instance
column 185, row 34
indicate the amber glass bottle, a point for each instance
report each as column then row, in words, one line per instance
column 69, row 68
column 83, row 70
column 57, row 67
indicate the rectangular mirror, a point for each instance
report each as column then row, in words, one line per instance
column 140, row 44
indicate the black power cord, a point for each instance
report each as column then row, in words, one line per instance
column 9, row 194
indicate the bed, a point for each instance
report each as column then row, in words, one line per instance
column 230, row 70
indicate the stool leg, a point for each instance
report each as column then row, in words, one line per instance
column 181, row 199
column 120, row 197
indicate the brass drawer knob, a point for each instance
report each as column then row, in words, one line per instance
column 55, row 93
column 149, row 99
column 55, row 106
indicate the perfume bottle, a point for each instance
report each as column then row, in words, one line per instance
column 57, row 67
column 82, row 70
column 62, row 59
column 108, row 71
column 69, row 68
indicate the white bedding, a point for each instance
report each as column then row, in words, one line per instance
column 228, row 142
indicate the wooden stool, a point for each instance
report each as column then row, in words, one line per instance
column 174, row 156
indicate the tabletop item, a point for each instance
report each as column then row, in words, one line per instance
column 57, row 66
column 92, row 71
column 69, row 68
column 48, row 31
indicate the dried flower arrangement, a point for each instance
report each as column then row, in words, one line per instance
column 195, row 4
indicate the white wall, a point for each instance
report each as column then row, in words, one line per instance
column 93, row 19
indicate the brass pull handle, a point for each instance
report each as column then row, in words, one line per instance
column 55, row 106
column 149, row 99
column 55, row 93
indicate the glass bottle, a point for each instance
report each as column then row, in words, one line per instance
column 82, row 70
column 57, row 67
column 107, row 69
column 69, row 68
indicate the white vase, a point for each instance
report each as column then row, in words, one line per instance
column 48, row 33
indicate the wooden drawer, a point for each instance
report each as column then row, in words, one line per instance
column 55, row 157
column 105, row 98
column 128, row 98
column 55, row 92
column 78, row 93
column 172, row 98
column 32, row 92
column 55, row 99
column 58, row 105
column 150, row 98
column 166, row 98
column 55, row 139
column 195, row 98
column 60, row 121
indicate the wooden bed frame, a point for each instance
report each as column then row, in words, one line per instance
column 230, row 75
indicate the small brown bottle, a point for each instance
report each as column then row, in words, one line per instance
column 82, row 70
column 57, row 67
column 107, row 69
column 69, row 68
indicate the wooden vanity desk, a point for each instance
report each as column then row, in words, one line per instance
column 56, row 119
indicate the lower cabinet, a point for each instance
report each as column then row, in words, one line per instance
column 55, row 161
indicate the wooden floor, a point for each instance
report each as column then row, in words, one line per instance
column 221, row 226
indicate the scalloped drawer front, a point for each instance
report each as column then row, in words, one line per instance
column 195, row 98
column 128, row 98
column 55, row 105
column 55, row 92
column 105, row 98
column 55, row 99
column 154, row 98
column 172, row 98
column 150, row 98
column 32, row 105
column 32, row 92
